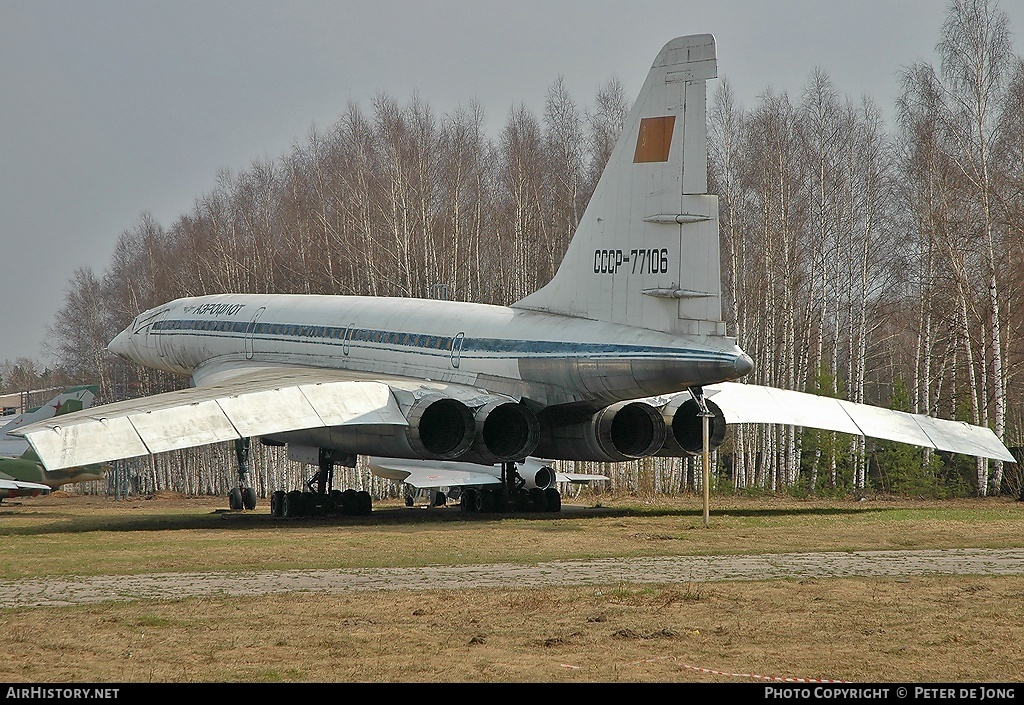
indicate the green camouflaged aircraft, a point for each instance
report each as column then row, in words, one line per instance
column 21, row 472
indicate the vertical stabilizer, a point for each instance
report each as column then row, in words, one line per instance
column 645, row 253
column 78, row 397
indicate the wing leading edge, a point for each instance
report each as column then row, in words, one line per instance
column 751, row 403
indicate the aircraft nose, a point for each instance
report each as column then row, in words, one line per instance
column 121, row 344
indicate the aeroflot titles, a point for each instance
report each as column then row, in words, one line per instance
column 216, row 309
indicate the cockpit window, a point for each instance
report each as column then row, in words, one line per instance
column 145, row 320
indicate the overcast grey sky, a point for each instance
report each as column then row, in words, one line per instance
column 113, row 108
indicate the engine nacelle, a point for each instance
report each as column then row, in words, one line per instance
column 622, row 431
column 537, row 475
column 505, row 430
column 439, row 428
column 686, row 428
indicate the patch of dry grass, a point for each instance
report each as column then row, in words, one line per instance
column 49, row 536
column 935, row 629
column 920, row 630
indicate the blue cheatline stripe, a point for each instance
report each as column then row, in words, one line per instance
column 373, row 339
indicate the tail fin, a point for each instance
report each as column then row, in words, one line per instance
column 69, row 406
column 71, row 399
column 646, row 251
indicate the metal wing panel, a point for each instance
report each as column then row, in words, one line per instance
column 752, row 403
column 269, row 411
column 745, row 403
column 431, row 474
column 265, row 401
column 175, row 427
column 813, row 411
column 83, row 441
column 888, row 424
column 341, row 403
column 959, row 437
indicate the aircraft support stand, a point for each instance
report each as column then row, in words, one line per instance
column 705, row 417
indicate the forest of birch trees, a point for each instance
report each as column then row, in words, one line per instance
column 878, row 263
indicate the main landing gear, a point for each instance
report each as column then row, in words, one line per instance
column 242, row 496
column 321, row 499
column 510, row 496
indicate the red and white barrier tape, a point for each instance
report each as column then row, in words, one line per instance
column 777, row 679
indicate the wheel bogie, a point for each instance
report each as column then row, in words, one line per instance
column 497, row 500
column 470, row 501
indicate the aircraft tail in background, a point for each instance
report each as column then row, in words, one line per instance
column 645, row 253
column 69, row 400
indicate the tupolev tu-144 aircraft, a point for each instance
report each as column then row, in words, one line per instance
column 620, row 356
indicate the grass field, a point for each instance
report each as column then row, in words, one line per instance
column 906, row 629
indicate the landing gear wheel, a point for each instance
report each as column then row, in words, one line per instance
column 440, row 499
column 521, row 501
column 502, row 501
column 364, row 504
column 470, row 500
column 487, row 499
column 332, row 502
column 249, row 498
column 538, row 501
column 277, row 504
column 235, row 498
column 293, row 504
column 348, row 502
column 337, row 500
column 554, row 499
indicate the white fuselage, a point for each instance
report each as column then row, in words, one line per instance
column 546, row 359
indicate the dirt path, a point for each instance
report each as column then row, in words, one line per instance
column 681, row 569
